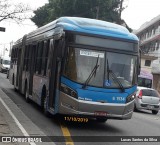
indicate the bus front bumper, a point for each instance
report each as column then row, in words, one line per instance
column 71, row 106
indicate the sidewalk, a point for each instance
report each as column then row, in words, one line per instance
column 6, row 128
column 13, row 122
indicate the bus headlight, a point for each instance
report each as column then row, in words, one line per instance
column 65, row 89
column 130, row 98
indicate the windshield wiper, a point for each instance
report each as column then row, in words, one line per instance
column 93, row 72
column 114, row 77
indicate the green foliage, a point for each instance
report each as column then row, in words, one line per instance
column 107, row 10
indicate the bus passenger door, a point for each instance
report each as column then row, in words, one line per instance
column 53, row 69
column 52, row 73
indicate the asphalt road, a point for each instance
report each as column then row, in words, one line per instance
column 143, row 123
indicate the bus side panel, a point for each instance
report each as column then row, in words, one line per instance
column 25, row 76
column 38, row 83
column 13, row 75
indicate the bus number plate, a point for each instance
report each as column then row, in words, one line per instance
column 150, row 107
column 99, row 113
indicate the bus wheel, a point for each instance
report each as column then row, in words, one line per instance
column 27, row 95
column 44, row 107
column 101, row 120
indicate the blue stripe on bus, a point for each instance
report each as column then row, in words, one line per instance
column 99, row 94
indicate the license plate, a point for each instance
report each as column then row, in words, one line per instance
column 99, row 113
column 150, row 107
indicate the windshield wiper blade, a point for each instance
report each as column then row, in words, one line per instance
column 114, row 77
column 118, row 81
column 93, row 72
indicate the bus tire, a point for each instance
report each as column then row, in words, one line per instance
column 27, row 94
column 13, row 84
column 44, row 103
column 45, row 110
column 101, row 120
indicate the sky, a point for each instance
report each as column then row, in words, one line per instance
column 15, row 31
column 136, row 13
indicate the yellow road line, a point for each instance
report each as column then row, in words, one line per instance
column 66, row 134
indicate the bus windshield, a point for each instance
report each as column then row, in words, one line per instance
column 144, row 82
column 81, row 62
column 6, row 62
column 145, row 79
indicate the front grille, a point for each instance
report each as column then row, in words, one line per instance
column 144, row 105
column 156, row 106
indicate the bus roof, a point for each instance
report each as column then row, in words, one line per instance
column 94, row 26
column 86, row 25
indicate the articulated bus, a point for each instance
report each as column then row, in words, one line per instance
column 145, row 79
column 78, row 66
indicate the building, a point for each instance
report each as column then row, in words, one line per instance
column 149, row 36
column 147, row 62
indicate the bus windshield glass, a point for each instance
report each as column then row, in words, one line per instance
column 145, row 79
column 81, row 62
column 6, row 62
column 145, row 82
column 123, row 67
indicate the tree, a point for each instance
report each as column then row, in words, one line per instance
column 12, row 11
column 107, row 10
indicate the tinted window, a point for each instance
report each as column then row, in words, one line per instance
column 144, row 82
column 107, row 43
column 152, row 93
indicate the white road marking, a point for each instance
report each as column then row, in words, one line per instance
column 16, row 120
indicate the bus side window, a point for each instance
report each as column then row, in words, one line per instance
column 29, row 57
column 25, row 58
column 45, row 57
column 33, row 57
column 36, row 63
column 50, row 53
column 39, row 57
